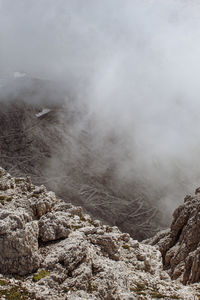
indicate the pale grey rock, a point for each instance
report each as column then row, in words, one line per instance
column 97, row 223
column 125, row 237
column 39, row 189
column 69, row 253
column 180, row 245
column 54, row 226
column 100, row 231
column 108, row 243
column 88, row 230
column 62, row 206
column 18, row 243
column 80, row 278
column 76, row 211
column 6, row 181
column 80, row 295
column 88, row 260
column 43, row 204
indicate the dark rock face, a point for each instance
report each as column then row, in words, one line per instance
column 180, row 246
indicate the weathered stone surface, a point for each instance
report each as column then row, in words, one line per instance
column 43, row 203
column 76, row 257
column 54, row 226
column 108, row 244
column 69, row 253
column 180, row 246
column 18, row 243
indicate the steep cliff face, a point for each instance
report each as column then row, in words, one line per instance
column 50, row 249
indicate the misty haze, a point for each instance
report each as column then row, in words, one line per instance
column 100, row 101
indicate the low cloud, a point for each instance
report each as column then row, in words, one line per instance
column 134, row 66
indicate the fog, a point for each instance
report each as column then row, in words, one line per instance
column 135, row 67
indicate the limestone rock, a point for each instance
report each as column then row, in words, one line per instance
column 54, row 226
column 180, row 246
column 43, row 203
column 18, row 243
column 69, row 253
column 108, row 244
column 76, row 257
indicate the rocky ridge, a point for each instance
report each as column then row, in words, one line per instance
column 50, row 249
column 180, row 245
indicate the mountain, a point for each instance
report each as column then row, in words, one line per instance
column 50, row 249
column 46, row 133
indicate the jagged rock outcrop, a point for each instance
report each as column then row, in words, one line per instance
column 180, row 245
column 54, row 226
column 18, row 242
column 62, row 253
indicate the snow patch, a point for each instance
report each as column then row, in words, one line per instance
column 43, row 112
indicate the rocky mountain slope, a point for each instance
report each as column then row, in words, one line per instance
column 62, row 150
column 50, row 249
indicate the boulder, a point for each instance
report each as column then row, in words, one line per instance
column 54, row 226
column 18, row 243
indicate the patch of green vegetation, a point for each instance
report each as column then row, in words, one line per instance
column 66, row 290
column 19, row 180
column 140, row 286
column 91, row 222
column 75, row 227
column 82, row 218
column 9, row 199
column 15, row 293
column 139, row 289
column 92, row 287
column 18, row 277
column 35, row 195
column 126, row 246
column 41, row 274
column 4, row 198
column 157, row 295
column 3, row 282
